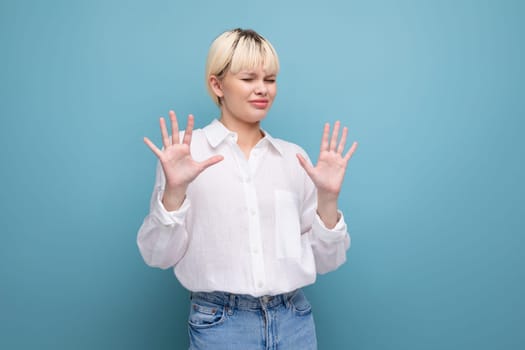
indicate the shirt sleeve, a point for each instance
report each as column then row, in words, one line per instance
column 163, row 239
column 329, row 245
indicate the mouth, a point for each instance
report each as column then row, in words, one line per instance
column 259, row 103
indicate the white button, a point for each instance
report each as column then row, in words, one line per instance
column 255, row 250
column 252, row 211
column 260, row 284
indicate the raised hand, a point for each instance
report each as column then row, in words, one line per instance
column 180, row 169
column 329, row 172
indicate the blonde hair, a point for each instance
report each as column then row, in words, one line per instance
column 236, row 50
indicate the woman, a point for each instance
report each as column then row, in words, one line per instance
column 243, row 218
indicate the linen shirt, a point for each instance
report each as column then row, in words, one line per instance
column 246, row 226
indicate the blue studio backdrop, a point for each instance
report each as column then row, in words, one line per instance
column 434, row 197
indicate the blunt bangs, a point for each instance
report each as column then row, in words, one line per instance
column 250, row 54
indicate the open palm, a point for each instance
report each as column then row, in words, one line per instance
column 180, row 169
column 329, row 172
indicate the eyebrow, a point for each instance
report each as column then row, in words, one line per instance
column 253, row 74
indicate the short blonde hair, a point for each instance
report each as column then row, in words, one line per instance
column 236, row 50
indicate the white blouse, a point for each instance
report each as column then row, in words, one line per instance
column 247, row 226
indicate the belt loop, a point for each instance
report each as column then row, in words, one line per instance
column 288, row 297
column 231, row 304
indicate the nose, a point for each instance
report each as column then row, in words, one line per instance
column 261, row 88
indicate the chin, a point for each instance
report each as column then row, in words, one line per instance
column 254, row 117
column 261, row 113
column 258, row 118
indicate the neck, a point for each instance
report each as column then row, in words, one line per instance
column 248, row 134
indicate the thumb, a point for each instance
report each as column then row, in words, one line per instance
column 211, row 161
column 305, row 164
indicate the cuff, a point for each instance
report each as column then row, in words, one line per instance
column 333, row 235
column 169, row 218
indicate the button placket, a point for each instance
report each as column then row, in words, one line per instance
column 247, row 169
column 254, row 228
column 255, row 236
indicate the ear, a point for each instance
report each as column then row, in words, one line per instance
column 216, row 85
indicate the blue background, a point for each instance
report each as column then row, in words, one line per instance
column 432, row 90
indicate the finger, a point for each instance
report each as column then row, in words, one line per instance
column 305, row 164
column 324, row 140
column 189, row 130
column 335, row 133
column 174, row 128
column 152, row 147
column 164, row 132
column 342, row 143
column 211, row 161
column 350, row 152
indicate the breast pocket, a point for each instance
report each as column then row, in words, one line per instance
column 287, row 225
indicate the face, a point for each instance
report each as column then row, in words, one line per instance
column 246, row 96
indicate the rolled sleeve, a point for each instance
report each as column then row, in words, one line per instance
column 169, row 218
column 334, row 235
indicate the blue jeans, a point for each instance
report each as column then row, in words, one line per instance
column 220, row 321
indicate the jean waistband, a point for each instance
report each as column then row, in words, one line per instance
column 243, row 301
